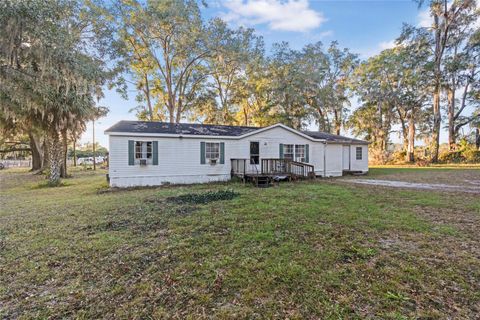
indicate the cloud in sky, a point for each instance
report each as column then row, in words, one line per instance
column 290, row 15
column 425, row 20
column 368, row 52
column 384, row 45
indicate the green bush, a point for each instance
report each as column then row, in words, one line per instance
column 465, row 153
column 398, row 156
column 472, row 155
column 452, row 157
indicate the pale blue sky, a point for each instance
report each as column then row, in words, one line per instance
column 366, row 27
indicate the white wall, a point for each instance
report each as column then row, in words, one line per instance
column 178, row 162
column 359, row 165
column 270, row 141
column 179, row 158
column 334, row 156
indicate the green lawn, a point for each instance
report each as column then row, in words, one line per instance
column 318, row 249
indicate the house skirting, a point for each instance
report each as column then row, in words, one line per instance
column 145, row 181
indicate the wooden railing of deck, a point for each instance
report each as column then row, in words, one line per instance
column 287, row 167
column 273, row 167
column 239, row 167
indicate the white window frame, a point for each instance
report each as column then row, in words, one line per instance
column 357, row 149
column 143, row 150
column 291, row 152
column 303, row 157
column 210, row 152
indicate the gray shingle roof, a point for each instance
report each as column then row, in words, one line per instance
column 197, row 129
column 333, row 137
column 179, row 128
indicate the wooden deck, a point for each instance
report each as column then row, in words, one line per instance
column 271, row 170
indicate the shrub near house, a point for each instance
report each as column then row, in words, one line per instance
column 466, row 153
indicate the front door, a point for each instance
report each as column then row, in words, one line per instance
column 254, row 160
column 346, row 158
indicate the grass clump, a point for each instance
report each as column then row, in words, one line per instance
column 353, row 253
column 49, row 184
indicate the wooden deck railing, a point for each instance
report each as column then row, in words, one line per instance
column 287, row 167
column 273, row 167
column 239, row 167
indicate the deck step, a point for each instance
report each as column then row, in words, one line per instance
column 263, row 182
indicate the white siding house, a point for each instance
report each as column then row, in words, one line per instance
column 154, row 153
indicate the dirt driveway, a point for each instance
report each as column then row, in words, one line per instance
column 413, row 185
column 440, row 179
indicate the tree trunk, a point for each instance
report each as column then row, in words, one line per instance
column 382, row 133
column 439, row 46
column 55, row 156
column 437, row 119
column 225, row 117
column 338, row 123
column 404, row 129
column 245, row 116
column 74, row 151
column 224, row 107
column 46, row 155
column 477, row 138
column 93, row 147
column 37, row 155
column 405, row 138
column 179, row 114
column 322, row 125
column 451, row 118
column 384, row 147
column 147, row 96
column 63, row 167
column 411, row 137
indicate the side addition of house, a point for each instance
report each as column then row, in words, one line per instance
column 155, row 153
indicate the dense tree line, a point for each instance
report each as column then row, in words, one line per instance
column 56, row 57
column 186, row 68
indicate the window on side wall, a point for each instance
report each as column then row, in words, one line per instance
column 359, row 153
column 300, row 152
column 288, row 151
column 254, row 152
column 143, row 149
column 212, row 150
